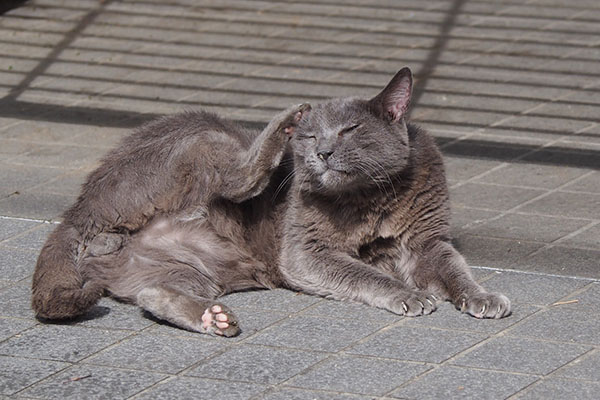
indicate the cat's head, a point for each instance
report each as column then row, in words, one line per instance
column 349, row 143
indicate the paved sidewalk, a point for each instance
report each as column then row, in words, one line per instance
column 511, row 91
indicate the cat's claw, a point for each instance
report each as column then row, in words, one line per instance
column 415, row 304
column 484, row 305
column 218, row 320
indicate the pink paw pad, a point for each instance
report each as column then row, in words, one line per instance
column 215, row 317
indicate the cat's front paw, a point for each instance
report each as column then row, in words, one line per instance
column 219, row 320
column 413, row 304
column 293, row 117
column 484, row 305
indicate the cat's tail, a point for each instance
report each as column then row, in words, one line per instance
column 59, row 290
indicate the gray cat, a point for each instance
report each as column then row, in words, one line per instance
column 344, row 200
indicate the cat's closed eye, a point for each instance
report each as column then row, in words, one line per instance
column 348, row 129
column 306, row 137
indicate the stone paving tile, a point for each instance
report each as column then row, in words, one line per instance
column 33, row 239
column 417, row 343
column 94, row 383
column 301, row 394
column 45, row 206
column 495, row 253
column 16, row 178
column 533, row 175
column 522, row 355
column 349, row 310
column 315, row 333
column 586, row 367
column 16, row 300
column 111, row 314
column 154, row 353
column 533, row 288
column 12, row 326
column 10, row 227
column 258, row 364
column 590, row 184
column 60, row 342
column 450, row 382
column 491, row 196
column 358, row 375
column 16, row 264
column 448, row 317
column 556, row 388
column 278, row 300
column 18, row 373
column 565, row 261
column 528, row 227
column 200, row 388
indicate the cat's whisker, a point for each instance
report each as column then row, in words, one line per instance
column 284, row 182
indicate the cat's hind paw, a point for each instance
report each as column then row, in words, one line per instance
column 295, row 114
column 484, row 305
column 219, row 320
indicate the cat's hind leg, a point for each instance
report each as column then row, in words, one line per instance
column 444, row 272
column 189, row 312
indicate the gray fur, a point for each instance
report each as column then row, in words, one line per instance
column 191, row 207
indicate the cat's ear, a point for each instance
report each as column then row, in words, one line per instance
column 393, row 101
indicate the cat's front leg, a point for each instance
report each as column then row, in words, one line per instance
column 338, row 276
column 251, row 175
column 444, row 271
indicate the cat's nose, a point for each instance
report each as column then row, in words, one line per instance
column 324, row 155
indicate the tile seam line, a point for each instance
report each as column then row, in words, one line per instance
column 495, row 269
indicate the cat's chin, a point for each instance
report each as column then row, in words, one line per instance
column 334, row 181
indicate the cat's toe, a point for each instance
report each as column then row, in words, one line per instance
column 219, row 320
column 415, row 304
column 484, row 305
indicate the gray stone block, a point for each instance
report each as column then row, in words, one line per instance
column 449, row 382
column 33, row 239
column 156, row 353
column 111, row 314
column 10, row 227
column 563, row 323
column 60, row 342
column 279, row 300
column 257, row 364
column 492, row 197
column 527, row 356
column 92, row 382
column 533, row 288
column 35, row 205
column 361, row 375
column 448, row 317
column 315, row 333
column 564, row 260
column 17, row 373
column 301, row 394
column 16, row 300
column 590, row 184
column 417, row 344
column 495, row 253
column 585, row 367
column 198, row 388
column 16, row 264
column 351, row 310
column 528, row 227
column 12, row 326
column 17, row 178
column 558, row 389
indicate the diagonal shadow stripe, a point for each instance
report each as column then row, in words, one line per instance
column 438, row 48
column 69, row 37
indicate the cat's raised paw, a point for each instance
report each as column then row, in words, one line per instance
column 220, row 321
column 415, row 304
column 296, row 114
column 484, row 305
